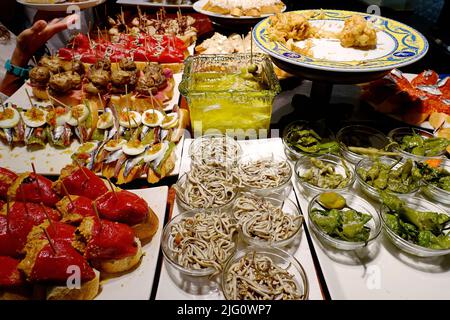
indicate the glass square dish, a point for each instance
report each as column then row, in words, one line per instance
column 222, row 95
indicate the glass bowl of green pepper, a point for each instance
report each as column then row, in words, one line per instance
column 436, row 180
column 358, row 142
column 302, row 138
column 400, row 176
column 345, row 226
column 415, row 225
column 418, row 144
column 324, row 173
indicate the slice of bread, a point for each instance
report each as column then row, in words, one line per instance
column 147, row 229
column 120, row 265
column 88, row 290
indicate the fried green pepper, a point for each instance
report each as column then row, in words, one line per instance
column 324, row 175
column 347, row 225
column 309, row 141
column 423, row 228
column 382, row 176
column 436, row 176
column 420, row 146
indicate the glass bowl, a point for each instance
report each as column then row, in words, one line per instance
column 281, row 191
column 200, row 150
column 396, row 135
column 320, row 128
column 288, row 207
column 216, row 103
column 169, row 257
column 357, row 203
column 180, row 187
column 418, row 204
column 435, row 193
column 305, row 164
column 372, row 192
column 359, row 136
column 279, row 257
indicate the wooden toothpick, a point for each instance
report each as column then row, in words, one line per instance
column 94, row 205
column 48, row 216
column 37, row 182
column 29, row 98
column 112, row 187
column 50, row 241
column 67, row 193
column 81, row 168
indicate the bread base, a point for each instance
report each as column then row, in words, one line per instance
column 120, row 265
column 88, row 290
column 147, row 229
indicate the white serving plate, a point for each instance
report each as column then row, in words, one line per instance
column 62, row 6
column 49, row 161
column 198, row 6
column 388, row 274
column 186, row 289
column 148, row 3
column 137, row 285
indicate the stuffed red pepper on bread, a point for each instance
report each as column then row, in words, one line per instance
column 80, row 182
column 126, row 207
column 30, row 187
column 16, row 224
column 12, row 283
column 112, row 247
column 53, row 264
column 75, row 208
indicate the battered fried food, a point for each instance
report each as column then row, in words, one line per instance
column 289, row 26
column 358, row 33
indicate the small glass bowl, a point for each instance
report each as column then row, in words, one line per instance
column 359, row 136
column 305, row 164
column 281, row 191
column 186, row 207
column 279, row 257
column 357, row 203
column 396, row 135
column 288, row 207
column 166, row 238
column 198, row 154
column 372, row 192
column 435, row 193
column 321, row 129
column 418, row 204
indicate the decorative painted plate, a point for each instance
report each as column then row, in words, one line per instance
column 397, row 44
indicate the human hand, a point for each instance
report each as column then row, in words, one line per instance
column 30, row 40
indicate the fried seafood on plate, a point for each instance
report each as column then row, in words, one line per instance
column 358, row 33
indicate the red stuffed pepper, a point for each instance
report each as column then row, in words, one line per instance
column 30, row 187
column 80, row 182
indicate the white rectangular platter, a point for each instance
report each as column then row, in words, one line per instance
column 137, row 285
column 49, row 161
column 387, row 273
column 172, row 286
